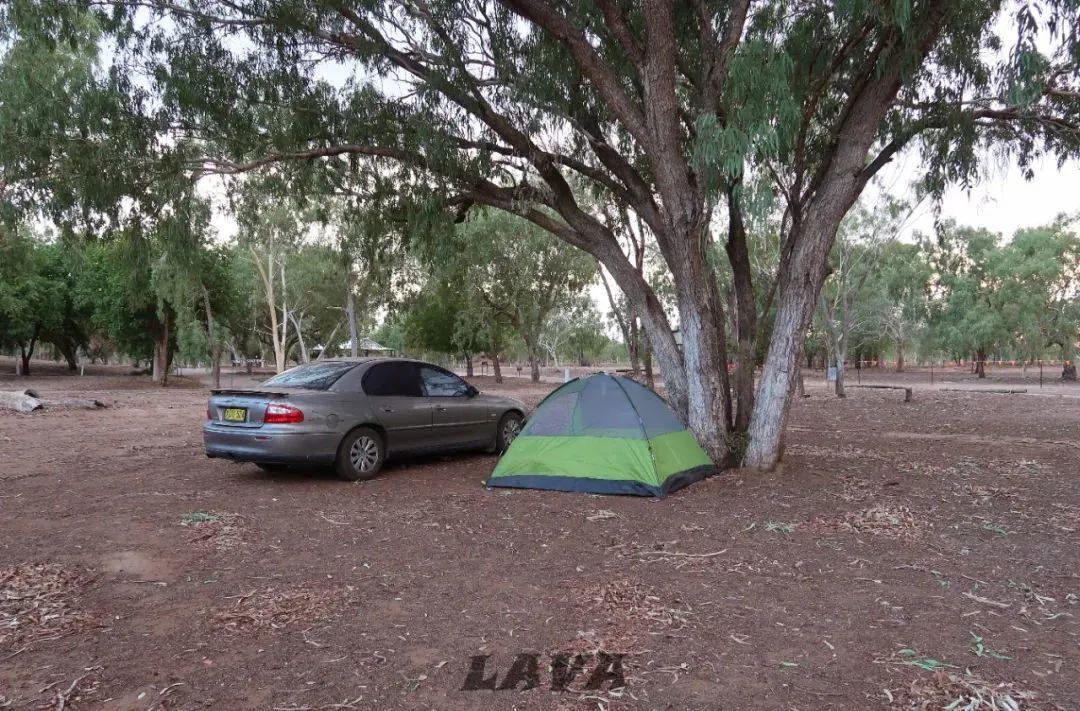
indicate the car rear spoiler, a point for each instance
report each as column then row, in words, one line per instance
column 240, row 391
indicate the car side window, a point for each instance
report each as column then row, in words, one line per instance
column 392, row 380
column 441, row 383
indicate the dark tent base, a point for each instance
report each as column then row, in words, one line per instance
column 602, row 486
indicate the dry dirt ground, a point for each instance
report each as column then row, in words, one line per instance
column 906, row 556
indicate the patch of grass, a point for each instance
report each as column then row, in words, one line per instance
column 778, row 527
column 981, row 650
column 941, row 579
column 199, row 517
column 998, row 530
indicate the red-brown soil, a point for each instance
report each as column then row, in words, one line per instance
column 897, row 539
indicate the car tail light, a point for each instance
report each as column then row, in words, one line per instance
column 209, row 412
column 279, row 414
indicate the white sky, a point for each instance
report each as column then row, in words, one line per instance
column 1003, row 201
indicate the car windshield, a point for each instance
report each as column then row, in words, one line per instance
column 312, row 376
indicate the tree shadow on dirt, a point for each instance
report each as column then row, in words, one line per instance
column 401, row 468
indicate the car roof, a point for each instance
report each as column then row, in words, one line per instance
column 373, row 359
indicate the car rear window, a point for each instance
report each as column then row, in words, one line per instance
column 311, row 376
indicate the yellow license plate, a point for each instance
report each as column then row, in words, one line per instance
column 234, row 414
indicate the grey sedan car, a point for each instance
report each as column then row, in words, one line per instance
column 354, row 413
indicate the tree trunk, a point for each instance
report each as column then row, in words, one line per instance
column 284, row 322
column 298, row 323
column 980, row 367
column 708, row 412
column 534, row 359
column 841, row 356
column 745, row 313
column 350, row 314
column 646, row 353
column 266, row 273
column 899, row 357
column 161, row 351
column 70, row 352
column 627, row 323
column 798, row 293
column 26, row 354
column 215, row 344
column 497, row 367
column 468, row 366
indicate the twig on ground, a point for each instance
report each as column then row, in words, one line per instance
column 63, row 696
column 987, row 601
column 683, row 555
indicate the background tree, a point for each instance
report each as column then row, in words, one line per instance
column 846, row 302
column 902, row 280
column 32, row 293
column 966, row 322
column 1039, row 294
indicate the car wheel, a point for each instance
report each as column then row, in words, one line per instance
column 272, row 467
column 509, row 429
column 360, row 455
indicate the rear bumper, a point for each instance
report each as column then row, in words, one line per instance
column 267, row 447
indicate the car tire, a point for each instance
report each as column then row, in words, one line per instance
column 361, row 455
column 272, row 467
column 509, row 429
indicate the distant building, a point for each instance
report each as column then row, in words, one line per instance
column 366, row 347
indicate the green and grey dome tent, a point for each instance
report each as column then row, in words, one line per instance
column 603, row 435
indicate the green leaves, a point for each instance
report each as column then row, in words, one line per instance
column 759, row 117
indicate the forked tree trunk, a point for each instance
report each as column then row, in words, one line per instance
column 266, row 274
column 26, row 353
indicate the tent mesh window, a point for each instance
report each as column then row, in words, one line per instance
column 555, row 418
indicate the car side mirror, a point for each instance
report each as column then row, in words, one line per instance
column 471, row 392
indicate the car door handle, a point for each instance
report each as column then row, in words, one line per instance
column 441, row 408
column 387, row 409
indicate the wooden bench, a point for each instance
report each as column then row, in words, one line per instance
column 998, row 391
column 907, row 391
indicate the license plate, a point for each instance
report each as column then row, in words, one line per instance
column 234, row 414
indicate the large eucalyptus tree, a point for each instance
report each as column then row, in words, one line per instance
column 661, row 107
